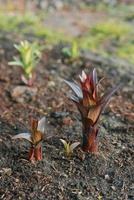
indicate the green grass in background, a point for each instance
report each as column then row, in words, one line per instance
column 110, row 38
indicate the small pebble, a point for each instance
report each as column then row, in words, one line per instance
column 17, row 180
column 22, row 94
column 6, row 171
column 113, row 188
column 107, row 177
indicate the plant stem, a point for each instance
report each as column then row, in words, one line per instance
column 35, row 153
column 38, row 153
column 90, row 141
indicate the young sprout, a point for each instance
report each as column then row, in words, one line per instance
column 90, row 105
column 69, row 147
column 35, row 138
column 72, row 52
column 29, row 54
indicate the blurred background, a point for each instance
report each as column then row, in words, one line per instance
column 103, row 27
column 72, row 35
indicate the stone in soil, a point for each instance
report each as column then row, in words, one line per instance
column 22, row 94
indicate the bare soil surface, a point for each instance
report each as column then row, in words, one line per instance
column 107, row 176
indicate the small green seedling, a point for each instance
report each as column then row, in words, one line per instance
column 29, row 55
column 72, row 52
column 68, row 148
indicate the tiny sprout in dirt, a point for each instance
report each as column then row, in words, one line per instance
column 72, row 52
column 35, row 138
column 68, row 148
column 29, row 54
column 90, row 105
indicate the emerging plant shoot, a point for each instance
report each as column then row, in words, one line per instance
column 35, row 138
column 69, row 147
column 72, row 52
column 90, row 105
column 29, row 54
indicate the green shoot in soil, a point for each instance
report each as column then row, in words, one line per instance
column 68, row 148
column 29, row 54
column 71, row 52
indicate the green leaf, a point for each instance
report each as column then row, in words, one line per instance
column 75, row 51
column 29, row 54
column 66, row 52
column 74, row 145
column 17, row 63
column 64, row 143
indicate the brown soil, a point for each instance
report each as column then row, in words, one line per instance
column 82, row 177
